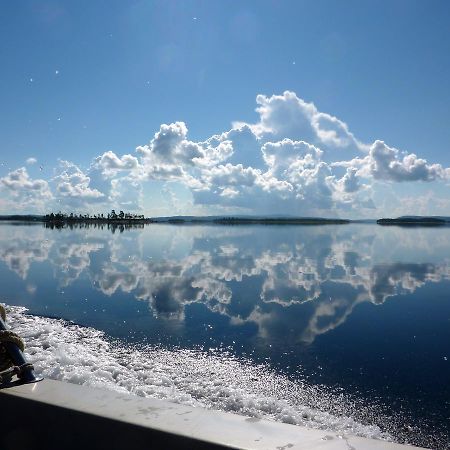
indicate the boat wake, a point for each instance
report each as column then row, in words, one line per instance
column 213, row 379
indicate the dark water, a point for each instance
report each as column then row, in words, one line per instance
column 358, row 308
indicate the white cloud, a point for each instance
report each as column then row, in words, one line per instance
column 73, row 186
column 386, row 163
column 19, row 180
column 170, row 147
column 171, row 156
column 126, row 194
column 295, row 180
column 229, row 175
column 245, row 146
column 229, row 192
column 294, row 159
column 288, row 116
column 30, row 161
column 350, row 182
column 25, row 192
column 110, row 161
column 215, row 155
column 286, row 156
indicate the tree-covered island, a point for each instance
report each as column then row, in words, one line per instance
column 414, row 221
column 112, row 217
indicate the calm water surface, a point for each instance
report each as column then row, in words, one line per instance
column 360, row 310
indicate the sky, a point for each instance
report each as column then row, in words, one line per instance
column 222, row 107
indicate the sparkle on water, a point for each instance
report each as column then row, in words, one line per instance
column 343, row 328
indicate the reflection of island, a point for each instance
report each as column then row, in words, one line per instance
column 112, row 221
column 113, row 226
column 411, row 221
column 27, row 218
column 307, row 281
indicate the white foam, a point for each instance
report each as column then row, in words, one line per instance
column 215, row 379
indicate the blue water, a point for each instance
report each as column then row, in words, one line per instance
column 360, row 309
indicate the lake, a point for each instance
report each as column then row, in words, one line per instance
column 339, row 327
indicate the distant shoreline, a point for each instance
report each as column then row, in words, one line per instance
column 406, row 221
column 260, row 221
column 418, row 221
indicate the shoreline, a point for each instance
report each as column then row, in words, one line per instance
column 60, row 222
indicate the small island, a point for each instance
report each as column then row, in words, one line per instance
column 112, row 221
column 112, row 217
column 414, row 221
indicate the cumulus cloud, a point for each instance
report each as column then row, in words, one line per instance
column 229, row 175
column 110, row 161
column 350, row 181
column 288, row 116
column 126, row 194
column 170, row 146
column 117, row 179
column 244, row 146
column 286, row 156
column 386, row 163
column 73, row 186
column 170, row 156
column 24, row 191
column 19, row 180
column 293, row 159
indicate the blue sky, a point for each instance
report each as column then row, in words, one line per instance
column 85, row 83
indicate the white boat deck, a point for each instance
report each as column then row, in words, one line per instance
column 52, row 414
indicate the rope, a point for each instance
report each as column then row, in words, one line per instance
column 7, row 367
column 10, row 336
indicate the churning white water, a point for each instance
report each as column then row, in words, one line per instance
column 216, row 379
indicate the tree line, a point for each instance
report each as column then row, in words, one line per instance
column 74, row 217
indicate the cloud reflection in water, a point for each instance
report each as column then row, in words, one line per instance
column 274, row 271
